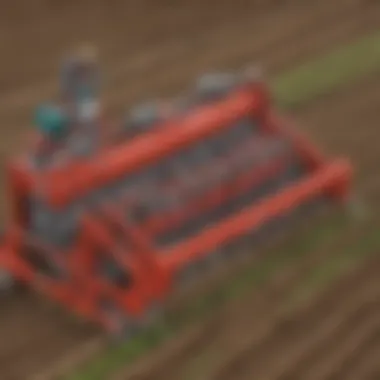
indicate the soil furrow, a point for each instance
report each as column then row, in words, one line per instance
column 264, row 351
column 321, row 362
column 363, row 341
column 364, row 365
column 333, row 327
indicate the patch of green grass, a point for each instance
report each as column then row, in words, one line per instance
column 293, row 88
column 200, row 366
column 339, row 68
column 339, row 263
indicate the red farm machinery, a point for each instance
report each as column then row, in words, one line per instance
column 107, row 234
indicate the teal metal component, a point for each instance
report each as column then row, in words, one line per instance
column 51, row 121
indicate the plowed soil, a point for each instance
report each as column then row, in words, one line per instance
column 157, row 47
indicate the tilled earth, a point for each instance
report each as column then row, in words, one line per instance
column 159, row 55
column 317, row 342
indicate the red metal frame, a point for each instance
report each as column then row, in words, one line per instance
column 153, row 270
column 332, row 178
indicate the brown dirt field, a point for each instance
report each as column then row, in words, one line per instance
column 33, row 333
column 173, row 44
column 312, row 345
